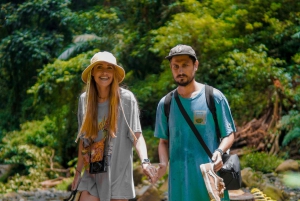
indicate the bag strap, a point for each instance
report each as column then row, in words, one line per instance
column 191, row 124
column 212, row 107
column 210, row 101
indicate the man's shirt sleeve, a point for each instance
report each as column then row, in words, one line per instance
column 161, row 124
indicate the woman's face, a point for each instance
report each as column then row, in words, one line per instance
column 103, row 74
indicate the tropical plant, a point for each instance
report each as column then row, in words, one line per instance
column 31, row 34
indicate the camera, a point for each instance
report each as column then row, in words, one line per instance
column 98, row 166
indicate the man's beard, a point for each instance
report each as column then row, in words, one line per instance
column 183, row 84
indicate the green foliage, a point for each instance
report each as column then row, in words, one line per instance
column 31, row 153
column 27, row 155
column 149, row 92
column 244, row 48
column 99, row 30
column 260, row 161
column 31, row 34
column 64, row 184
column 38, row 133
column 222, row 34
column 24, row 183
column 81, row 44
column 248, row 71
column 291, row 125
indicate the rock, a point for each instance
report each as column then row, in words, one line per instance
column 273, row 192
column 240, row 195
column 4, row 168
column 152, row 194
column 13, row 196
column 140, row 191
column 288, row 165
column 164, row 186
column 247, row 174
column 253, row 179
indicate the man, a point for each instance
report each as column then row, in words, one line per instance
column 178, row 144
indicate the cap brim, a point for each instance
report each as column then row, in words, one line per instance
column 120, row 72
column 169, row 57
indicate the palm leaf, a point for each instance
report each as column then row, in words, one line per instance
column 296, row 35
column 80, row 44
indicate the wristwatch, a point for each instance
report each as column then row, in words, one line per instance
column 145, row 161
column 221, row 151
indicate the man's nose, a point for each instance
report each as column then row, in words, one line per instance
column 180, row 70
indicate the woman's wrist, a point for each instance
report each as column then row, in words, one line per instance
column 77, row 171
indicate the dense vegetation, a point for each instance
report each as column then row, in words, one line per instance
column 250, row 50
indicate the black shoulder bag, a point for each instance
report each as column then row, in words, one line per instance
column 231, row 170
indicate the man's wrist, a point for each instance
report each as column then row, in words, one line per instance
column 220, row 151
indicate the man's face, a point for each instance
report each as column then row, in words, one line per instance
column 183, row 69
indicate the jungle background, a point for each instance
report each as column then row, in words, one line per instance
column 250, row 50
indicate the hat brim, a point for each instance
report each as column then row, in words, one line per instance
column 176, row 54
column 120, row 72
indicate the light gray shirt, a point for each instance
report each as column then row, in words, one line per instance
column 117, row 182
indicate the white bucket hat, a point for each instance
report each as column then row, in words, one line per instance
column 103, row 57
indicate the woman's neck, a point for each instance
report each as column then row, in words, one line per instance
column 102, row 94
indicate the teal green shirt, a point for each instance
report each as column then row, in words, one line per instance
column 186, row 152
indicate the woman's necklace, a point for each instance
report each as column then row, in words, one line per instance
column 101, row 97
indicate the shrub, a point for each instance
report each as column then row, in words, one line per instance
column 260, row 161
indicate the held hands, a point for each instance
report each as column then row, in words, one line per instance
column 151, row 172
column 154, row 173
column 217, row 160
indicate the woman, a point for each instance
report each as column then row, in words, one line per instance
column 109, row 125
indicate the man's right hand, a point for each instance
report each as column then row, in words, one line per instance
column 162, row 169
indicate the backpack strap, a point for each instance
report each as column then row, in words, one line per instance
column 210, row 100
column 167, row 105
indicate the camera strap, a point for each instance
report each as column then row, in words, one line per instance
column 132, row 133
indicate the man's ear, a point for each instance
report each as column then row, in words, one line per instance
column 196, row 64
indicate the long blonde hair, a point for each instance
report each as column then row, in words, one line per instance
column 89, row 126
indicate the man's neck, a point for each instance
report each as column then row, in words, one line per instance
column 190, row 90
